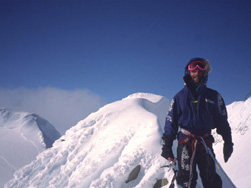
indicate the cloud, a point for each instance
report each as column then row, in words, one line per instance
column 62, row 108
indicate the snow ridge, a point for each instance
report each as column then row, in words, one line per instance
column 23, row 136
column 102, row 149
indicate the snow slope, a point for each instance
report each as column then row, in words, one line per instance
column 22, row 136
column 101, row 150
column 239, row 165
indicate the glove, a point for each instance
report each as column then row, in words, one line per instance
column 228, row 144
column 167, row 151
column 227, row 150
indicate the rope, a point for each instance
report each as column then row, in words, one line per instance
column 194, row 146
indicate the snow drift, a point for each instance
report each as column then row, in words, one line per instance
column 101, row 150
column 22, row 136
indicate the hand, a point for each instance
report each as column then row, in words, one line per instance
column 227, row 151
column 167, row 153
column 167, row 147
column 172, row 161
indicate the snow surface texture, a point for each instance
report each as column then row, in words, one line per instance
column 101, row 150
column 22, row 136
column 239, row 165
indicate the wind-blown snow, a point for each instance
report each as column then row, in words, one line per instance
column 22, row 136
column 101, row 150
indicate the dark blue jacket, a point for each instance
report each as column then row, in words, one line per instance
column 196, row 111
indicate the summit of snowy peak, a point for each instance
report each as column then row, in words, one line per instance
column 22, row 136
column 101, row 150
column 149, row 96
column 29, row 124
column 9, row 119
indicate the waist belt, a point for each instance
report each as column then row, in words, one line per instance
column 185, row 132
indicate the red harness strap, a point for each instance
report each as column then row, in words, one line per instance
column 192, row 139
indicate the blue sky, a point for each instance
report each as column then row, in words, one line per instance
column 116, row 48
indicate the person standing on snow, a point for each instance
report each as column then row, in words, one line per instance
column 193, row 113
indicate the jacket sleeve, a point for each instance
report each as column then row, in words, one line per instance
column 170, row 131
column 171, row 124
column 220, row 120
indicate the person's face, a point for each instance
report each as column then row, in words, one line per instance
column 196, row 75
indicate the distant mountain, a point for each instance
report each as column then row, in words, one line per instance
column 102, row 150
column 22, row 136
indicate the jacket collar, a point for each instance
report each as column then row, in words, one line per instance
column 196, row 89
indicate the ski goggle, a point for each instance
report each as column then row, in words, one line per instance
column 196, row 64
